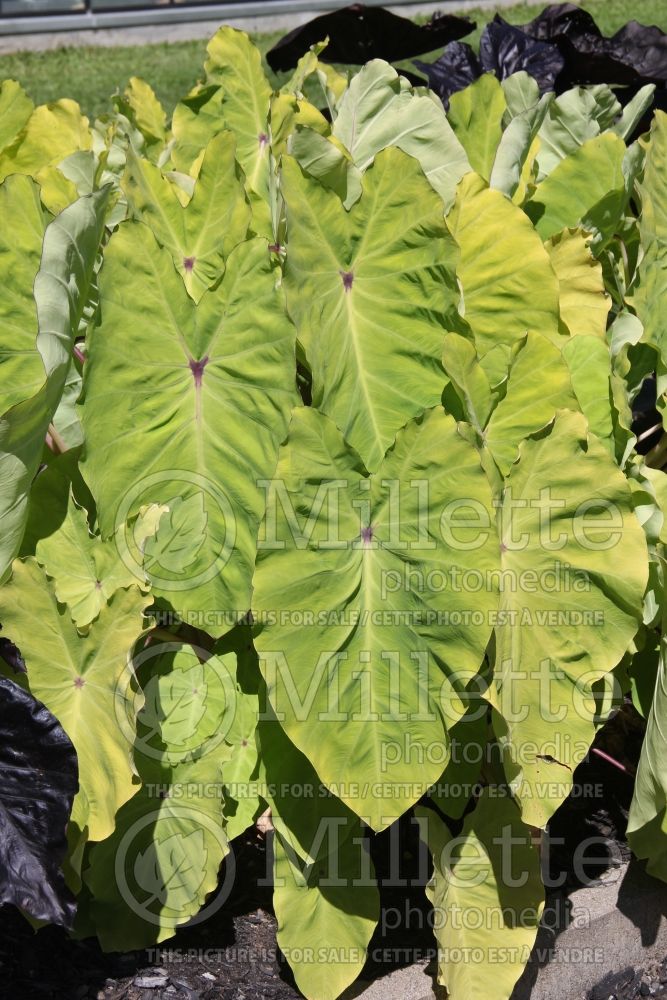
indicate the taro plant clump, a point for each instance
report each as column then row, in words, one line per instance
column 320, row 494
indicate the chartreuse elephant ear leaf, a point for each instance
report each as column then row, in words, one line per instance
column 156, row 869
column 650, row 281
column 379, row 109
column 462, row 775
column 653, row 186
column 476, row 115
column 196, row 120
column 538, row 384
column 86, row 681
column 648, row 291
column 50, row 497
column 344, row 558
column 242, row 802
column 371, row 290
column 162, row 861
column 647, row 823
column 574, row 569
column 589, row 362
column 513, row 159
column 574, row 116
column 168, row 387
column 326, row 913
column 15, row 109
column 52, row 132
column 283, row 770
column 200, row 235
column 487, row 894
column 21, row 236
column 507, row 283
column 141, row 106
column 327, row 160
column 584, row 304
column 585, row 189
column 235, row 65
column 468, row 380
column 62, row 291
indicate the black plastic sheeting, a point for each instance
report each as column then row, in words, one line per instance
column 635, row 54
column 38, row 782
column 358, row 33
column 562, row 47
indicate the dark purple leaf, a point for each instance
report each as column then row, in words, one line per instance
column 38, row 782
column 456, row 68
column 358, row 33
column 562, row 47
column 504, row 50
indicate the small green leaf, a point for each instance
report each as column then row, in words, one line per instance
column 200, row 235
column 86, row 571
column 538, row 385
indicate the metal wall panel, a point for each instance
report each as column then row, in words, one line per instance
column 32, row 7
column 24, row 17
column 96, row 5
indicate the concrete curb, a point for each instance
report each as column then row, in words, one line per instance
column 585, row 934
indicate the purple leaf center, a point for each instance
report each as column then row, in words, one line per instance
column 197, row 369
column 348, row 278
column 79, row 682
column 189, row 263
column 262, row 138
column 367, row 535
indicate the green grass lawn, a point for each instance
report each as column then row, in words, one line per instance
column 90, row 75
